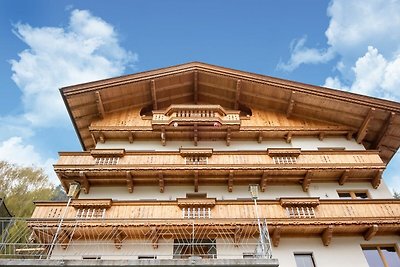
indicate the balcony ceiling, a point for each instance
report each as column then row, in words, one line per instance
column 377, row 121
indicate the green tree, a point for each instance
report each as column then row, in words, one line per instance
column 21, row 186
column 396, row 194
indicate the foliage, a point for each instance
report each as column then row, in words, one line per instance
column 396, row 195
column 21, row 186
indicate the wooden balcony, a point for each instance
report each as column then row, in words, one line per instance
column 272, row 167
column 285, row 217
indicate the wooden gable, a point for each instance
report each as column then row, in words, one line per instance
column 374, row 122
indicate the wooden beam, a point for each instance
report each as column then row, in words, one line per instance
column 163, row 136
column 153, row 94
column 237, row 236
column 263, row 181
column 385, row 130
column 161, row 182
column 321, row 136
column 84, row 182
column 288, row 137
column 327, row 235
column 230, row 181
column 154, row 237
column 307, row 181
column 228, row 136
column 260, row 137
column 129, row 181
column 196, row 181
column 391, row 149
column 100, row 105
column 349, row 135
column 343, row 178
column 196, row 87
column 237, row 96
column 102, row 138
column 130, row 137
column 290, row 106
column 362, row 132
column 195, row 134
column 371, row 232
column 276, row 236
column 376, row 181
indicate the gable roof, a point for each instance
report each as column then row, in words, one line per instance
column 376, row 121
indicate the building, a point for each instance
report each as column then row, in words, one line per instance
column 169, row 155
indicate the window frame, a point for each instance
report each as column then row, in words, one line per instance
column 378, row 248
column 311, row 254
column 353, row 193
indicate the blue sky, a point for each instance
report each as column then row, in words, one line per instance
column 45, row 44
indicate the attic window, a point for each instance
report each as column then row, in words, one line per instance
column 245, row 111
column 146, row 111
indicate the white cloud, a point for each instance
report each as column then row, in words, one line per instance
column 14, row 150
column 88, row 49
column 303, row 55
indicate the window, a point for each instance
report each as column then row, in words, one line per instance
column 381, row 256
column 192, row 213
column 353, row 194
column 304, row 260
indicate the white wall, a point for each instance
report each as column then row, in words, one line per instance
column 343, row 251
column 322, row 190
column 305, row 143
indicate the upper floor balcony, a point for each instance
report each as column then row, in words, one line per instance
column 207, row 167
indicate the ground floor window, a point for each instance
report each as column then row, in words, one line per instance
column 304, row 259
column 381, row 255
column 204, row 248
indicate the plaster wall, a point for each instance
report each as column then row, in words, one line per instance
column 305, row 143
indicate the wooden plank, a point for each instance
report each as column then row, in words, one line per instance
column 343, row 178
column 196, row 86
column 307, row 181
column 99, row 104
column 362, row 132
column 196, row 181
column 376, row 181
column 290, row 106
column 371, row 232
column 276, row 236
column 129, row 181
column 84, row 182
column 230, row 181
column 327, row 235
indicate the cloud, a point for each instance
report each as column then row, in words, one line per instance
column 303, row 55
column 87, row 49
column 13, row 150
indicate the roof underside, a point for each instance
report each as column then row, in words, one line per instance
column 376, row 121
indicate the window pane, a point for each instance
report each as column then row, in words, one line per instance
column 361, row 195
column 373, row 258
column 391, row 256
column 344, row 195
column 304, row 260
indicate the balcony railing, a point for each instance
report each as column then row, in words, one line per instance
column 129, row 239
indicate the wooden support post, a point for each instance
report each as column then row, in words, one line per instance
column 102, row 137
column 263, row 182
column 276, row 236
column 321, row 136
column 130, row 137
column 153, row 94
column 129, row 181
column 260, row 137
column 362, row 132
column 161, row 182
column 196, row 181
column 290, row 106
column 288, row 137
column 195, row 87
column 195, row 134
column 327, row 235
column 376, row 181
column 230, row 181
column 371, row 232
column 349, row 135
column 307, row 181
column 228, row 136
column 385, row 131
column 237, row 97
column 99, row 104
column 344, row 177
column 84, row 182
column 163, row 136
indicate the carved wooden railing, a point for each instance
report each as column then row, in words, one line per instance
column 213, row 115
